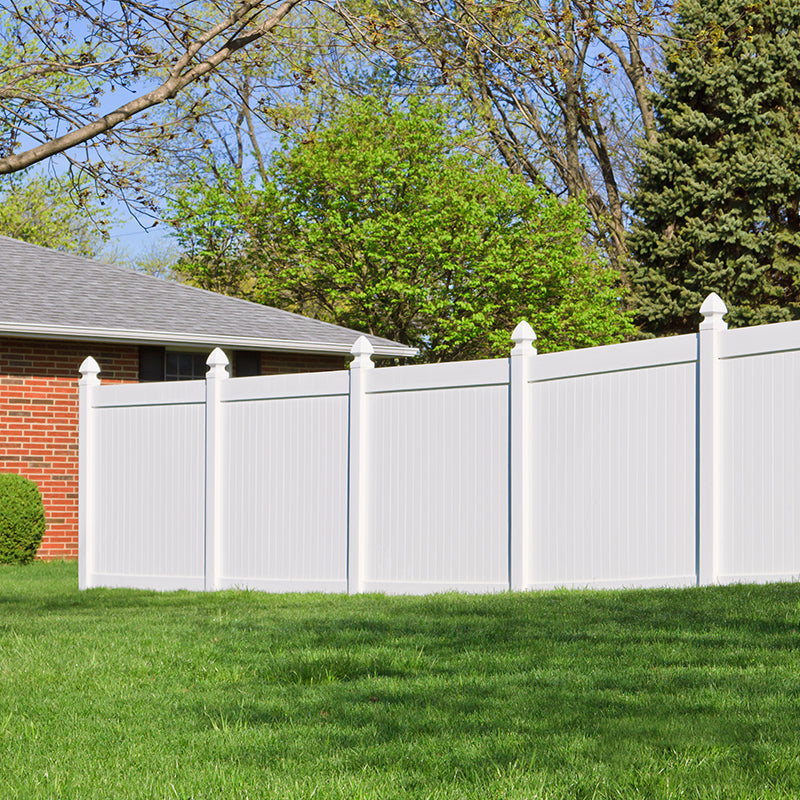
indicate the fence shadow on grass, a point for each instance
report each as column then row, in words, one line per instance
column 671, row 682
column 454, row 685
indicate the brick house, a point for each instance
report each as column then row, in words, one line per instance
column 56, row 309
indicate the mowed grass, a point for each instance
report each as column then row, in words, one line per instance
column 652, row 694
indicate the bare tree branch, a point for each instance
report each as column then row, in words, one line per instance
column 241, row 28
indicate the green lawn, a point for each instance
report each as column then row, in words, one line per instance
column 651, row 694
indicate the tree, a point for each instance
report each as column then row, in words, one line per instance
column 534, row 74
column 214, row 225
column 559, row 86
column 717, row 195
column 41, row 211
column 294, row 81
column 61, row 57
column 378, row 221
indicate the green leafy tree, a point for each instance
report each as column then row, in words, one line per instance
column 214, row 225
column 718, row 193
column 42, row 211
column 381, row 222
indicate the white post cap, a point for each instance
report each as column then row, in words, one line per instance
column 362, row 351
column 523, row 338
column 713, row 309
column 217, row 363
column 89, row 370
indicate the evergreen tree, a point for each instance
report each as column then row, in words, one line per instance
column 717, row 195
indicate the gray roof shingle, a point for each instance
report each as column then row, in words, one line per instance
column 45, row 292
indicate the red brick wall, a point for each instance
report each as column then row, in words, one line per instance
column 39, row 417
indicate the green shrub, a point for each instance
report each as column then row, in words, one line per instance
column 21, row 519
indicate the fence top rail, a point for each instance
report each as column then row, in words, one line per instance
column 779, row 337
column 150, row 394
column 279, row 387
column 646, row 354
column 452, row 375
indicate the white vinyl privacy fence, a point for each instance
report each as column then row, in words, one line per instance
column 666, row 462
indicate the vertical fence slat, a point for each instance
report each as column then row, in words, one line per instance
column 520, row 369
column 358, row 447
column 89, row 370
column 217, row 364
column 709, row 472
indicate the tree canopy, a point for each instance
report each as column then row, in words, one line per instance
column 560, row 87
column 718, row 194
column 128, row 91
column 380, row 221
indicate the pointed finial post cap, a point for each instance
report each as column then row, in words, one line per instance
column 362, row 351
column 713, row 309
column 89, row 370
column 523, row 338
column 217, row 364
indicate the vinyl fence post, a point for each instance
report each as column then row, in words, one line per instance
column 520, row 371
column 87, row 455
column 357, row 468
column 217, row 363
column 709, row 480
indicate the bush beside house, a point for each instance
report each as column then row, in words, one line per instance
column 22, row 520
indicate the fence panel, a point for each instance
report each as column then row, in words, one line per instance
column 438, row 478
column 613, row 481
column 149, row 505
column 664, row 462
column 761, row 440
column 285, row 484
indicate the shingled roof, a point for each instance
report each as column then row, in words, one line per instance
column 48, row 294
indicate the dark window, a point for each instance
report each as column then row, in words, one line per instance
column 160, row 364
column 151, row 363
column 246, row 363
column 184, row 366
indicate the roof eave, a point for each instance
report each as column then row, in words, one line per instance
column 172, row 338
